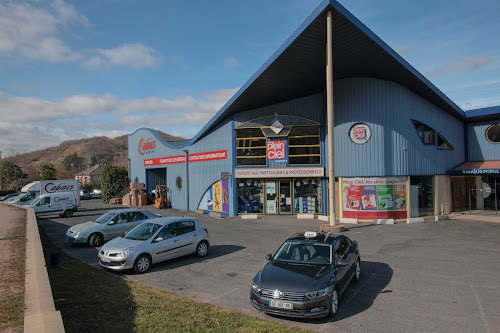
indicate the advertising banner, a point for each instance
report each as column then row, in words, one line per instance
column 279, row 172
column 374, row 198
column 199, row 157
column 215, row 198
column 276, row 150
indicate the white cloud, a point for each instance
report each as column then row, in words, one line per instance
column 463, row 65
column 135, row 56
column 30, row 123
column 231, row 62
column 32, row 32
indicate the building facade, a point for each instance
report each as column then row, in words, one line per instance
column 398, row 140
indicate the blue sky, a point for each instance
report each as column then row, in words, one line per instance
column 71, row 69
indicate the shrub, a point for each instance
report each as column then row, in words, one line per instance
column 114, row 182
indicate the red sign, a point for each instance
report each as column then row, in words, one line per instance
column 275, row 150
column 200, row 157
column 145, row 145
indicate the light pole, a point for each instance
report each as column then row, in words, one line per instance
column 187, row 178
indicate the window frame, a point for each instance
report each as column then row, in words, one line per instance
column 315, row 145
column 441, row 137
column 254, row 138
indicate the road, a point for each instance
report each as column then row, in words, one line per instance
column 435, row 276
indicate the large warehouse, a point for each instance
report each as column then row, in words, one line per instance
column 401, row 148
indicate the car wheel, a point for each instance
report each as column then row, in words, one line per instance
column 96, row 240
column 202, row 249
column 357, row 274
column 142, row 263
column 334, row 303
column 68, row 213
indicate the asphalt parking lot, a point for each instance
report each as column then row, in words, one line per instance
column 434, row 276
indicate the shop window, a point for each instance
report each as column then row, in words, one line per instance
column 442, row 143
column 493, row 133
column 250, row 147
column 307, row 193
column 250, row 196
column 425, row 132
column 304, row 145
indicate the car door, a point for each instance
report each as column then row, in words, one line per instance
column 43, row 206
column 342, row 271
column 165, row 244
column 118, row 227
column 188, row 240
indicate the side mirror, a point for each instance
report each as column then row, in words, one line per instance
column 111, row 222
column 342, row 262
column 159, row 239
column 269, row 256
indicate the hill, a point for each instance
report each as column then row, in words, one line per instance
column 99, row 149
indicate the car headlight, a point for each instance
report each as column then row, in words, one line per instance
column 126, row 252
column 75, row 233
column 319, row 293
column 256, row 287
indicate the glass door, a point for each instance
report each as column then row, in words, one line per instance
column 271, row 197
column 285, row 196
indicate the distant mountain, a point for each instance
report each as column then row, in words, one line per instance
column 99, row 149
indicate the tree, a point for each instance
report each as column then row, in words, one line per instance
column 11, row 172
column 73, row 162
column 48, row 171
column 114, row 182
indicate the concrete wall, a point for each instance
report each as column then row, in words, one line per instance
column 443, row 192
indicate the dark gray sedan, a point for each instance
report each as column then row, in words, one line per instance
column 306, row 276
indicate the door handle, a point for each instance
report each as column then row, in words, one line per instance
column 175, row 241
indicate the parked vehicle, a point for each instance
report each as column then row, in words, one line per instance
column 96, row 194
column 306, row 276
column 155, row 241
column 112, row 224
column 62, row 203
column 33, row 190
column 85, row 194
column 9, row 197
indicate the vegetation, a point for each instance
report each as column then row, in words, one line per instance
column 93, row 300
column 114, row 182
column 48, row 171
column 12, row 176
column 72, row 162
column 12, row 278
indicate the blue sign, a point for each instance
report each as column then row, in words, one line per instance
column 474, row 172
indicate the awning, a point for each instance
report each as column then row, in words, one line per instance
column 477, row 168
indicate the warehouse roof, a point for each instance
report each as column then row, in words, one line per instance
column 483, row 114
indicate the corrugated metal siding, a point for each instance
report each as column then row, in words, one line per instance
column 479, row 148
column 201, row 174
column 388, row 108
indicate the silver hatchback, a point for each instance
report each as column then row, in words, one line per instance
column 155, row 241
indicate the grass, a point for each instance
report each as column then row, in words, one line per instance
column 92, row 300
column 12, row 279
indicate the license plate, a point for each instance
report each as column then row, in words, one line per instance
column 106, row 261
column 281, row 305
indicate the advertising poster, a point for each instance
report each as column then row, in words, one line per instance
column 271, row 206
column 374, row 197
column 271, row 188
column 215, row 198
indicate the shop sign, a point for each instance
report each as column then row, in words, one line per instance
column 277, row 127
column 374, row 197
column 146, row 146
column 200, row 157
column 360, row 133
column 474, row 171
column 276, row 150
column 279, row 172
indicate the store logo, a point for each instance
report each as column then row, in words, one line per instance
column 51, row 188
column 276, row 150
column 58, row 199
column 277, row 127
column 146, row 147
column 360, row 133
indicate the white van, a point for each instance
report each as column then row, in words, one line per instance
column 33, row 190
column 62, row 203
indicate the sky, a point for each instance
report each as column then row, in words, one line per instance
column 75, row 69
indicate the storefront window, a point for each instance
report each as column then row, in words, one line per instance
column 250, row 196
column 307, row 193
column 304, row 145
column 422, row 196
column 250, row 147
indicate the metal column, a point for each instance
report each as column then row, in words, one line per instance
column 329, row 114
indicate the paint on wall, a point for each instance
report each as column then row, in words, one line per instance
column 215, row 198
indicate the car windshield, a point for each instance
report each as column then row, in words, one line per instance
column 105, row 217
column 143, row 231
column 304, row 253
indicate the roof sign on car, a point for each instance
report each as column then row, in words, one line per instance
column 310, row 234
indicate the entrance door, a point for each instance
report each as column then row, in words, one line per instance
column 271, row 197
column 285, row 196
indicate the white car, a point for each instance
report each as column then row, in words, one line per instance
column 110, row 225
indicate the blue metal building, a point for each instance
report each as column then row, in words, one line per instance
column 402, row 148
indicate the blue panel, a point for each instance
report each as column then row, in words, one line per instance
column 479, row 148
column 395, row 149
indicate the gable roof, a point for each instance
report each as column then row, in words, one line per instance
column 297, row 68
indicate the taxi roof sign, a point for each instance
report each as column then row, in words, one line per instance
column 310, row 234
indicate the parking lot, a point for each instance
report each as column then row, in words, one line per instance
column 434, row 276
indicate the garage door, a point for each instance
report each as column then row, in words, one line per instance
column 155, row 177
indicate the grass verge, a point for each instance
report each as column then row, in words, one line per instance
column 92, row 300
column 12, row 255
